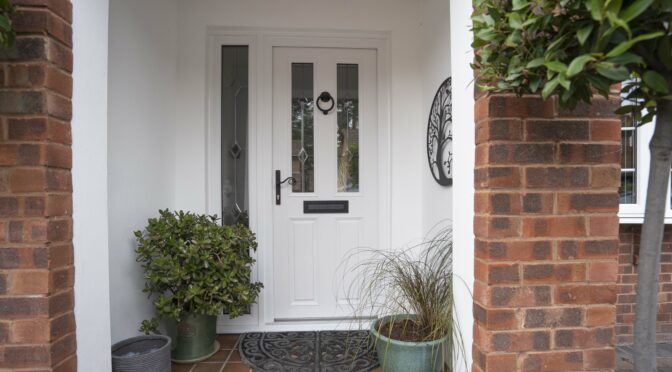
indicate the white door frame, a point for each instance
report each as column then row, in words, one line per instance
column 261, row 43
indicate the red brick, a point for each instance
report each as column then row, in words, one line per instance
column 521, row 296
column 501, row 362
column 592, row 203
column 584, row 339
column 606, row 226
column 63, row 8
column 600, row 316
column 510, row 106
column 553, row 317
column 600, row 359
column 25, row 356
column 495, row 319
column 28, row 282
column 499, row 130
column 22, row 307
column 60, row 55
column 603, row 271
column 59, row 230
column 497, row 177
column 599, row 108
column 59, row 107
column 524, row 153
column 563, row 226
column 514, row 250
column 520, row 341
column 557, row 130
column 554, row 273
column 35, row 20
column 557, row 177
column 67, row 365
column 553, row 362
column 30, row 331
column 22, row 180
column 537, row 203
column 582, row 249
column 586, row 294
column 38, row 129
column 26, row 48
column 590, row 153
column 605, row 130
column 497, row 227
column 605, row 177
column 9, row 207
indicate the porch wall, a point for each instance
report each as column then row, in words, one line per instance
column 37, row 323
column 546, row 230
column 157, row 130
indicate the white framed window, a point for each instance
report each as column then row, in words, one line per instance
column 635, row 158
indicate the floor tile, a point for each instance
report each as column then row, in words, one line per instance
column 208, row 367
column 181, row 367
column 220, row 356
column 236, row 367
column 228, row 341
column 235, row 356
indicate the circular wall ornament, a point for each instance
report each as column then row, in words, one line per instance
column 440, row 135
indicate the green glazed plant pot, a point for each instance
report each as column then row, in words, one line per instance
column 404, row 356
column 194, row 338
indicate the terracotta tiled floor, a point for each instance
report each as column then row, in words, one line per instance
column 227, row 359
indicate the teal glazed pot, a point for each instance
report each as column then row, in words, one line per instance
column 404, row 356
column 194, row 338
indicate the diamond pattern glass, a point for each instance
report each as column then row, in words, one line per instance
column 348, row 128
column 303, row 151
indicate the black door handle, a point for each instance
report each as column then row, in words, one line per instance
column 278, row 184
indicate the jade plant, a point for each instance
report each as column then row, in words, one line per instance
column 195, row 265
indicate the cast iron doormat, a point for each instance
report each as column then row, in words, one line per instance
column 325, row 351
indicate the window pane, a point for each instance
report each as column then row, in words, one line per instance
column 234, row 134
column 628, row 191
column 303, row 152
column 348, row 128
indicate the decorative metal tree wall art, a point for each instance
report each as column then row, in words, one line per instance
column 440, row 135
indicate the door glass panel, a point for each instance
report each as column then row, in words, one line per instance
column 303, row 151
column 234, row 134
column 348, row 128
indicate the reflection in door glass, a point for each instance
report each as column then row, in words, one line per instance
column 303, row 151
column 348, row 128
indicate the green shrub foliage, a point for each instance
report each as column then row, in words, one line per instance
column 6, row 31
column 194, row 265
column 571, row 48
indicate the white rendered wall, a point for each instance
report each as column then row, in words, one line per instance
column 142, row 108
column 402, row 18
column 463, row 184
column 89, row 182
column 437, row 199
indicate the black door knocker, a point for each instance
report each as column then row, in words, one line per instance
column 325, row 97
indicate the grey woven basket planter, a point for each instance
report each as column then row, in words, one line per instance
column 142, row 354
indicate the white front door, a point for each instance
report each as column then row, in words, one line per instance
column 332, row 208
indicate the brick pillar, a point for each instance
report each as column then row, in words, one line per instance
column 37, row 323
column 546, row 228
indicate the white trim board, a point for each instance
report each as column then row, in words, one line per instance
column 261, row 43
